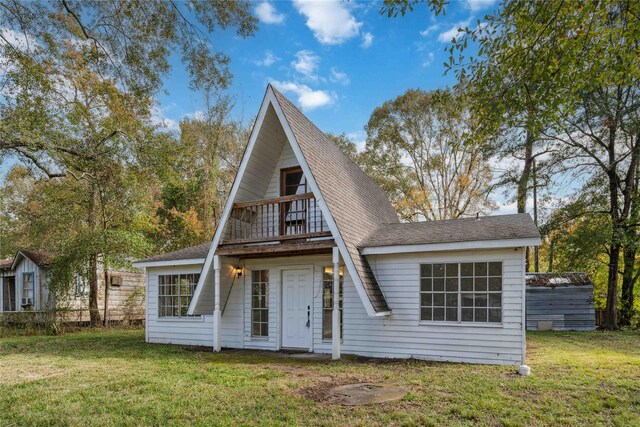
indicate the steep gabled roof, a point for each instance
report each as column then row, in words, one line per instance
column 356, row 203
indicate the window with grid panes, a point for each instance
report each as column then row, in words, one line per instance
column 461, row 292
column 260, row 303
column 175, row 292
column 327, row 302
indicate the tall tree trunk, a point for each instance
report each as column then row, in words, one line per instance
column 106, row 293
column 94, row 313
column 628, row 284
column 536, row 254
column 611, row 309
column 523, row 182
column 552, row 248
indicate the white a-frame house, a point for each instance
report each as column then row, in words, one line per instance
column 309, row 255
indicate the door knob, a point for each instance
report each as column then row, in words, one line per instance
column 308, row 316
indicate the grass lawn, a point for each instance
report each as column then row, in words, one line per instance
column 114, row 378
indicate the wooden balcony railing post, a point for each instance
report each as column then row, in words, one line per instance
column 281, row 218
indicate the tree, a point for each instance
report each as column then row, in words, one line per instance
column 346, row 145
column 196, row 172
column 77, row 94
column 416, row 150
column 581, row 59
column 124, row 44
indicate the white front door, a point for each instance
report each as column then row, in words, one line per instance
column 297, row 299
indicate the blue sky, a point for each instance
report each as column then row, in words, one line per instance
column 336, row 60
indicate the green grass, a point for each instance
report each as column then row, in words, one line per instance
column 114, row 378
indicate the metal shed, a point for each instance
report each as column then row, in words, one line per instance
column 560, row 301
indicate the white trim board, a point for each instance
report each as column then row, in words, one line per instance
column 453, row 246
column 169, row 263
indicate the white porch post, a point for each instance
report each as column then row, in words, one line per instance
column 216, row 311
column 335, row 315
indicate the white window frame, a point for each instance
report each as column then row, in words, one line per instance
column 460, row 292
column 328, row 311
column 261, row 296
column 180, row 300
column 31, row 290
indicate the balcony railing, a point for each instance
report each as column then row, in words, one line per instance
column 295, row 217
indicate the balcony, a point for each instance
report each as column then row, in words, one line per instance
column 288, row 223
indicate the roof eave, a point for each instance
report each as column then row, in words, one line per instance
column 168, row 263
column 451, row 246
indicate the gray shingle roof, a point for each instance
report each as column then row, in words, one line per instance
column 357, row 204
column 498, row 227
column 193, row 252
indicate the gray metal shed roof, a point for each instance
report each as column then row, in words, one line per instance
column 553, row 280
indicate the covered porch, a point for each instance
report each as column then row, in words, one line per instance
column 279, row 300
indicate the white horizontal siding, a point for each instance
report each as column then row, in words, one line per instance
column 401, row 335
column 185, row 331
column 404, row 335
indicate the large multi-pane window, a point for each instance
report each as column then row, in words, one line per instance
column 260, row 303
column 27, row 289
column 327, row 302
column 175, row 292
column 461, row 292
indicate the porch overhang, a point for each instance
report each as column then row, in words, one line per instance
column 277, row 250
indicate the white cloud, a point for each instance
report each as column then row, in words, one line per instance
column 159, row 118
column 429, row 30
column 367, row 39
column 359, row 138
column 339, row 77
column 330, row 21
column 268, row 60
column 476, row 5
column 451, row 33
column 428, row 60
column 268, row 14
column 306, row 63
column 308, row 99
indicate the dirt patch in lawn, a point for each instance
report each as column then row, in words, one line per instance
column 353, row 394
column 27, row 374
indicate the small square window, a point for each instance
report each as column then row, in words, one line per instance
column 425, row 270
column 480, row 268
column 452, row 270
column 438, row 270
column 495, row 269
column 425, row 285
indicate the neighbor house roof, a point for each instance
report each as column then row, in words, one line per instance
column 553, row 280
column 39, row 258
column 356, row 203
column 193, row 252
column 5, row 264
column 498, row 227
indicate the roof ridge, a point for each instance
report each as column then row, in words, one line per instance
column 353, row 162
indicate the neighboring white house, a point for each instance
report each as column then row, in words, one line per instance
column 309, row 250
column 24, row 286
